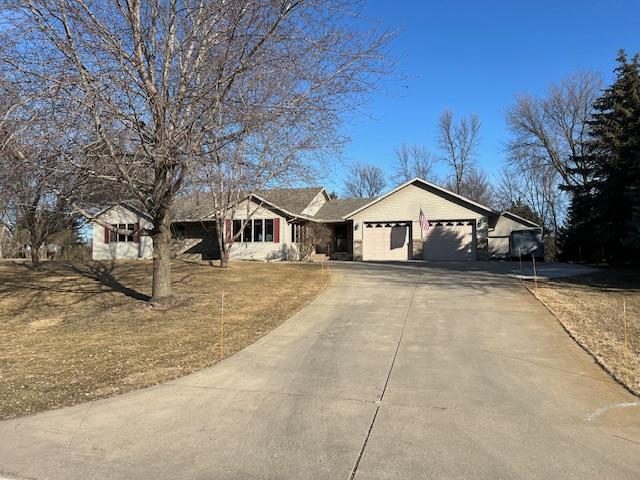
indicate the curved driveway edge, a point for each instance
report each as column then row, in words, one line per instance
column 443, row 371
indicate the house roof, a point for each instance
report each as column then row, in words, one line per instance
column 338, row 209
column 520, row 219
column 433, row 186
column 293, row 200
column 194, row 206
column 129, row 205
column 199, row 205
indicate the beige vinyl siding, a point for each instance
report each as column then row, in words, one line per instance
column 499, row 236
column 260, row 250
column 316, row 204
column 120, row 250
column 405, row 204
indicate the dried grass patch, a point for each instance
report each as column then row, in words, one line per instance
column 590, row 307
column 76, row 332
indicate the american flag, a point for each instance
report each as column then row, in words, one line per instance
column 424, row 223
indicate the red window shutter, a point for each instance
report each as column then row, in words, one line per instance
column 276, row 230
column 106, row 233
column 228, row 229
column 136, row 234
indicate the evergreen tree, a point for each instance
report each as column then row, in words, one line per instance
column 615, row 147
column 579, row 240
column 603, row 222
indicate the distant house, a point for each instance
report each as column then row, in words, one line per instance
column 383, row 228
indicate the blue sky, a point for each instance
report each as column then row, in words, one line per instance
column 476, row 56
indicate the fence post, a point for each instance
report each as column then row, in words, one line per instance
column 626, row 345
column 222, row 326
column 520, row 259
column 535, row 275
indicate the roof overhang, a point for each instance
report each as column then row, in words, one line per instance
column 126, row 205
column 520, row 219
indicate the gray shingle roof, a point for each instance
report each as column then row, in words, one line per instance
column 194, row 206
column 293, row 200
column 198, row 206
column 338, row 208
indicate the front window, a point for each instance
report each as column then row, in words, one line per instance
column 268, row 230
column 257, row 230
column 297, row 231
column 246, row 233
column 237, row 225
column 120, row 236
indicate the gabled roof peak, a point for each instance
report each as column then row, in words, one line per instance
column 430, row 185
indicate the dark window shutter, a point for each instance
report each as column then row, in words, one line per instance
column 106, row 233
column 276, row 230
column 228, row 230
column 136, row 234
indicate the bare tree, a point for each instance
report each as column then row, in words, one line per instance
column 277, row 124
column 554, row 128
column 475, row 186
column 458, row 142
column 364, row 181
column 165, row 85
column 32, row 209
column 548, row 145
column 536, row 184
column 413, row 161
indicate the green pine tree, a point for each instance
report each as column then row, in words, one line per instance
column 615, row 147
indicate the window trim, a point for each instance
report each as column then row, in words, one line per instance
column 265, row 232
column 254, row 222
column 250, row 226
column 116, row 237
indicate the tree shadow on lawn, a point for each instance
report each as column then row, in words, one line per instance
column 102, row 273
column 35, row 286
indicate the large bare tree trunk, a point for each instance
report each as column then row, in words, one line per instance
column 225, row 255
column 161, row 286
column 35, row 257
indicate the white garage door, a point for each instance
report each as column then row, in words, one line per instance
column 452, row 240
column 386, row 241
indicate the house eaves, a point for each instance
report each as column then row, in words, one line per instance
column 520, row 219
column 126, row 205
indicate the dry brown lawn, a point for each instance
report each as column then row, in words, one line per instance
column 591, row 308
column 74, row 332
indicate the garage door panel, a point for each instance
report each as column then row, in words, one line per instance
column 386, row 241
column 449, row 241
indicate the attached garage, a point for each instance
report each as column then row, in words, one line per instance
column 389, row 227
column 450, row 240
column 386, row 240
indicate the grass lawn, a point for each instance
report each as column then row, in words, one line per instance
column 590, row 308
column 74, row 332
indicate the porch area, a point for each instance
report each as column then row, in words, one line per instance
column 335, row 242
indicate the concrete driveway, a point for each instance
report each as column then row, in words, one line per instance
column 392, row 373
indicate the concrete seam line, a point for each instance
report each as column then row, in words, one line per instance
column 84, row 417
column 384, row 388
